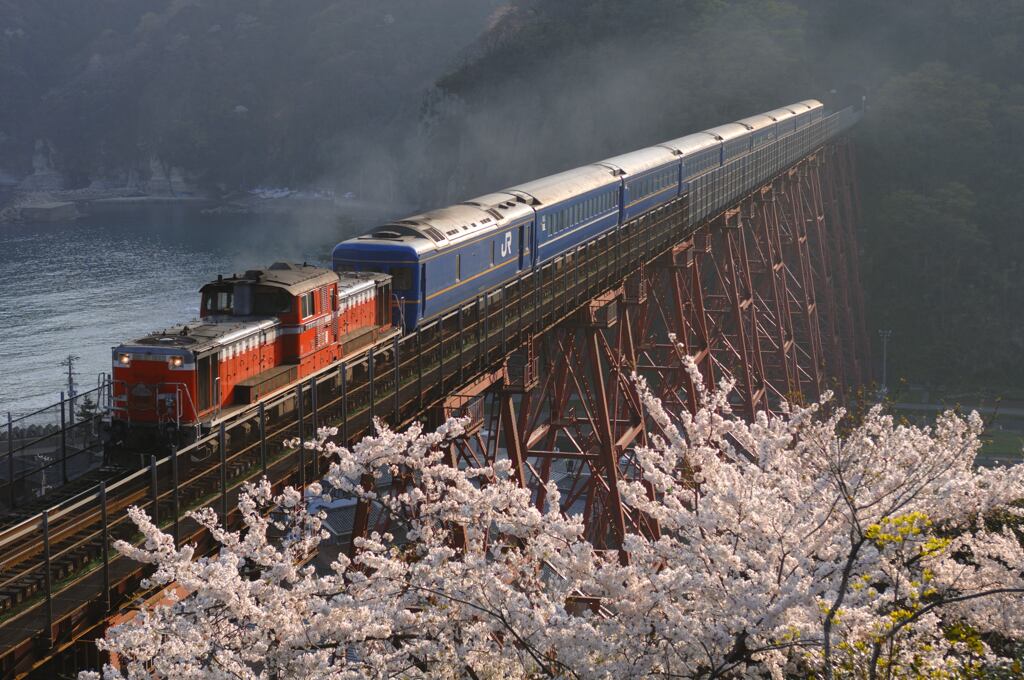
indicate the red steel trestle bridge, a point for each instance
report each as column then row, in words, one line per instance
column 753, row 272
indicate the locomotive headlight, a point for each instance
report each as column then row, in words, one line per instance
column 175, row 362
column 124, row 359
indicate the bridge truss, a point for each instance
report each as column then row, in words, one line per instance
column 765, row 295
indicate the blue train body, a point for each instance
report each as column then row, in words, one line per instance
column 442, row 259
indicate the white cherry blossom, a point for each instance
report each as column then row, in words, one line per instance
column 798, row 544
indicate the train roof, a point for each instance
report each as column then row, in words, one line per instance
column 292, row 277
column 564, row 185
column 452, row 223
column 507, row 207
column 200, row 335
column 757, row 122
column 779, row 115
column 684, row 146
column 728, row 131
column 442, row 227
column 805, row 106
column 636, row 162
column 399, row 233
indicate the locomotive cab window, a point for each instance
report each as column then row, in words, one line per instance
column 270, row 301
column 308, row 304
column 218, row 301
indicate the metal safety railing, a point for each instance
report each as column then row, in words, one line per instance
column 68, row 544
column 52, row 446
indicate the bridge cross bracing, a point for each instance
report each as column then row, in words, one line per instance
column 752, row 271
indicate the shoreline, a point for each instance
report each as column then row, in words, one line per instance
column 75, row 204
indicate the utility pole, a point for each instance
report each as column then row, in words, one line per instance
column 72, row 392
column 885, row 335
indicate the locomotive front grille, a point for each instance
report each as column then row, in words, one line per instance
column 142, row 398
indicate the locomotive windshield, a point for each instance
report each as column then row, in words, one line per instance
column 244, row 299
column 268, row 301
column 218, row 300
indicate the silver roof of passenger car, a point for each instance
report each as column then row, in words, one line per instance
column 406, row 235
column 506, row 207
column 805, row 106
column 728, row 131
column 565, row 185
column 437, row 229
column 813, row 103
column 780, row 115
column 448, row 225
column 636, row 162
column 684, row 146
column 756, row 122
column 456, row 222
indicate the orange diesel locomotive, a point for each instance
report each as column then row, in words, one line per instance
column 257, row 334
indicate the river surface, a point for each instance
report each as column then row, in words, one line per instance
column 82, row 287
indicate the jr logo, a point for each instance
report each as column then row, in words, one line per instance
column 506, row 247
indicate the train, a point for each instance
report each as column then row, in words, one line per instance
column 440, row 259
column 263, row 332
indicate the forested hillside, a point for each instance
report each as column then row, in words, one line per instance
column 236, row 92
column 419, row 103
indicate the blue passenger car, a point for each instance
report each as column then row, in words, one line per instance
column 762, row 129
column 785, row 121
column 806, row 112
column 650, row 179
column 735, row 140
column 572, row 207
column 699, row 152
column 445, row 257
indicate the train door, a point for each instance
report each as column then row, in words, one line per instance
column 527, row 245
column 423, row 290
column 209, row 382
column 524, row 249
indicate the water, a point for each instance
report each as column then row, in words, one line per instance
column 82, row 287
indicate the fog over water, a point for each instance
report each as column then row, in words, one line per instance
column 82, row 287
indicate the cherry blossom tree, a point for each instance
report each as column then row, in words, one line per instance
column 798, row 544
